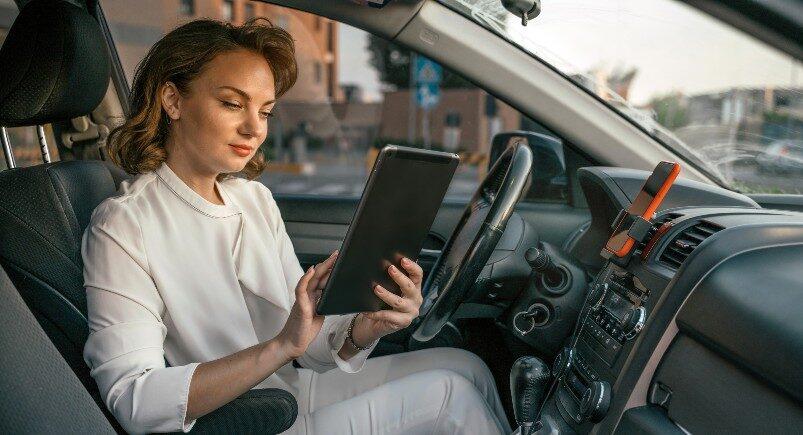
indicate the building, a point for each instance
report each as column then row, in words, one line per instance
column 464, row 117
column 136, row 26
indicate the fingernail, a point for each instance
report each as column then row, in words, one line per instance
column 310, row 269
column 377, row 289
column 393, row 268
column 406, row 260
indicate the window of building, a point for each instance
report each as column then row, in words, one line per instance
column 186, row 7
column 331, row 85
column 318, row 72
column 227, row 10
column 281, row 21
column 331, row 38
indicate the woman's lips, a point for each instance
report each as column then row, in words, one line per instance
column 241, row 150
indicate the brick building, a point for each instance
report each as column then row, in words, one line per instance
column 136, row 26
column 468, row 108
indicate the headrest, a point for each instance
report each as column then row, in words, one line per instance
column 53, row 65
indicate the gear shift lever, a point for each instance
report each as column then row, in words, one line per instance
column 529, row 381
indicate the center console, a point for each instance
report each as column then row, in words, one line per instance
column 614, row 314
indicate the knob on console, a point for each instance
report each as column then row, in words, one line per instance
column 541, row 262
column 634, row 322
column 595, row 402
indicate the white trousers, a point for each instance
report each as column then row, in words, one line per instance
column 430, row 391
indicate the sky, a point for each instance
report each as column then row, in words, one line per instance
column 673, row 46
column 355, row 64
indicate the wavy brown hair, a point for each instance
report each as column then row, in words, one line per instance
column 138, row 145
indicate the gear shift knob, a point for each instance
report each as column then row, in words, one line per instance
column 529, row 381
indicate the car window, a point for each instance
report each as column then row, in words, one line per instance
column 24, row 140
column 352, row 97
column 711, row 92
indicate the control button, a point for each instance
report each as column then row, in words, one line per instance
column 605, row 345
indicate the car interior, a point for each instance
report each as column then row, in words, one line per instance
column 699, row 329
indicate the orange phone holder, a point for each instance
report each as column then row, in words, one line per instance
column 638, row 230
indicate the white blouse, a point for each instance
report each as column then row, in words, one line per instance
column 170, row 275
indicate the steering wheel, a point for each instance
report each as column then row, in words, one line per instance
column 472, row 242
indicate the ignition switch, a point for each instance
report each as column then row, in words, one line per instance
column 535, row 316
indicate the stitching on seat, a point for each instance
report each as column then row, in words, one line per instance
column 59, row 188
column 43, row 238
column 69, row 303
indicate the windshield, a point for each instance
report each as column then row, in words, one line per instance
column 708, row 91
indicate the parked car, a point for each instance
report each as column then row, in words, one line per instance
column 782, row 156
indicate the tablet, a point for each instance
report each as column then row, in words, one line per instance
column 404, row 191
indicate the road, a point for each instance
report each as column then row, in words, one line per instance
column 749, row 179
column 346, row 176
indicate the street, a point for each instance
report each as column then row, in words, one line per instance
column 346, row 176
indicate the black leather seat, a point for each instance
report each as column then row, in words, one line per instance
column 44, row 209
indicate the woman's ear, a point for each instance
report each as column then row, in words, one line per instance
column 171, row 101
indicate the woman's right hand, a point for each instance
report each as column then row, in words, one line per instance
column 303, row 324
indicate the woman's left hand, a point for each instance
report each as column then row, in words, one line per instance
column 371, row 326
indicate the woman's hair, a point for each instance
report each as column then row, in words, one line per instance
column 138, row 145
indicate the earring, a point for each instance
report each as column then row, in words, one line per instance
column 169, row 121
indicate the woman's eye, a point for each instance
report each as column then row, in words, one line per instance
column 231, row 105
column 266, row 115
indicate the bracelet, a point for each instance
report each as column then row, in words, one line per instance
column 350, row 337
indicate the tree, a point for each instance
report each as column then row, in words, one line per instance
column 670, row 110
column 392, row 62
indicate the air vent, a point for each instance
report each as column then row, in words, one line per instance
column 655, row 226
column 687, row 241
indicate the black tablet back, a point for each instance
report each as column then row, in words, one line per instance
column 401, row 198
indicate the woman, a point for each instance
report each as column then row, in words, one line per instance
column 191, row 265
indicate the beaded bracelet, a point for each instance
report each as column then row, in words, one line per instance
column 350, row 337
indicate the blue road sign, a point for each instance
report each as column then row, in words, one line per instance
column 427, row 71
column 427, row 95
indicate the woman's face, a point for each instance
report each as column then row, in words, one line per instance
column 219, row 124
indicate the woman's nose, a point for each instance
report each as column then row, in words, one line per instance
column 253, row 124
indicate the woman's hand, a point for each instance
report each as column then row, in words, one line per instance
column 374, row 325
column 303, row 324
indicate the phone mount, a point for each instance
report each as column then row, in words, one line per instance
column 638, row 229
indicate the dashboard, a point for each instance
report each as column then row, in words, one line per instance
column 700, row 330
